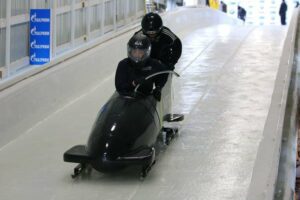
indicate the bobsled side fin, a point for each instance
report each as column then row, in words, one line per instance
column 77, row 154
column 174, row 117
column 142, row 156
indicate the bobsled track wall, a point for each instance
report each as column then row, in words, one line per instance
column 274, row 170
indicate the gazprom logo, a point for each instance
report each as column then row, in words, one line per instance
column 33, row 45
column 34, row 32
column 33, row 58
column 34, row 18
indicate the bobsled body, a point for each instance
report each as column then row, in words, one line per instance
column 124, row 133
column 124, row 126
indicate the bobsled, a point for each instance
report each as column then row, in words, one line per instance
column 125, row 132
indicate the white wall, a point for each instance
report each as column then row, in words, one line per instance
column 190, row 2
column 265, row 172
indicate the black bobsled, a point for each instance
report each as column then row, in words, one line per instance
column 125, row 132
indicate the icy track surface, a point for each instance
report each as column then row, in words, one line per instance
column 227, row 79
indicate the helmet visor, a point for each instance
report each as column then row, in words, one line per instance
column 138, row 55
column 152, row 34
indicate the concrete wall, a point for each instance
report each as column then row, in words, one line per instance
column 265, row 172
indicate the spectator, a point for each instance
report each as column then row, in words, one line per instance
column 207, row 3
column 214, row 4
column 242, row 13
column 282, row 12
column 223, row 7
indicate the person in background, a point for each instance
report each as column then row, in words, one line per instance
column 166, row 46
column 223, row 7
column 214, row 4
column 282, row 12
column 242, row 13
column 133, row 70
column 297, row 4
column 207, row 3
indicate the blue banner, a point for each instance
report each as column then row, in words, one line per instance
column 39, row 36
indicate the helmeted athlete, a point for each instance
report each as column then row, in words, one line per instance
column 133, row 70
column 166, row 46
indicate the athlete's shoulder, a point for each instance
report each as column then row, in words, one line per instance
column 139, row 31
column 166, row 31
column 123, row 62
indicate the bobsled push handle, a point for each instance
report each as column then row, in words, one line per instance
column 155, row 74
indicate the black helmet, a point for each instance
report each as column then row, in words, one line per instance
column 139, row 49
column 152, row 23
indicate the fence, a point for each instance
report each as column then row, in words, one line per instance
column 73, row 23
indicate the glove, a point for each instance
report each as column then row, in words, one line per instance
column 139, row 81
column 157, row 94
column 171, row 67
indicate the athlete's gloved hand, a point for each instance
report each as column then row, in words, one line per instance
column 157, row 94
column 171, row 67
column 139, row 81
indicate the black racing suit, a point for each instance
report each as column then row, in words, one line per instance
column 127, row 73
column 166, row 47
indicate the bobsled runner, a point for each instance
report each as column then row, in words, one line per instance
column 125, row 132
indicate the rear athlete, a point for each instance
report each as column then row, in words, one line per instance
column 166, row 46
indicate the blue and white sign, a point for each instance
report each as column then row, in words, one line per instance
column 39, row 36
